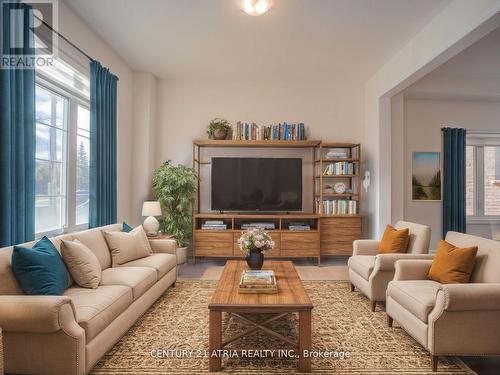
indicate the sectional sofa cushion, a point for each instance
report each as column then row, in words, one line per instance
column 96, row 308
column 40, row 270
column 416, row 296
column 82, row 264
column 139, row 279
column 162, row 263
column 394, row 240
column 452, row 264
column 126, row 247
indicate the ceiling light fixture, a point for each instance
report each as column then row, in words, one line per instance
column 255, row 7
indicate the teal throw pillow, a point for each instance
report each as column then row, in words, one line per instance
column 126, row 228
column 40, row 270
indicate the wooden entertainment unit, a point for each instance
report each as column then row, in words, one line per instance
column 289, row 243
column 329, row 234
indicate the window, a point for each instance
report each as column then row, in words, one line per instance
column 62, row 150
column 82, row 165
column 50, row 167
column 483, row 177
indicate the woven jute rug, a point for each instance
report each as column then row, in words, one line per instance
column 172, row 337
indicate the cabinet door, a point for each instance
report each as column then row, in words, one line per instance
column 213, row 243
column 337, row 235
column 300, row 244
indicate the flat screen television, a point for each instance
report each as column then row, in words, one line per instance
column 257, row 184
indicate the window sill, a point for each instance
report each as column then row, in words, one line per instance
column 61, row 231
column 483, row 220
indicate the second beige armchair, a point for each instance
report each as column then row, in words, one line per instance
column 450, row 319
column 370, row 272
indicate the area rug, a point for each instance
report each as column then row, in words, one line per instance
column 172, row 338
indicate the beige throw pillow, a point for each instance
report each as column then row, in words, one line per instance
column 144, row 237
column 126, row 247
column 82, row 264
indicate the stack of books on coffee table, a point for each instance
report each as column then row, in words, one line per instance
column 258, row 282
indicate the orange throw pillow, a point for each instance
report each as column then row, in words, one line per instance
column 452, row 264
column 394, row 241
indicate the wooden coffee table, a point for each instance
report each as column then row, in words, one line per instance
column 291, row 298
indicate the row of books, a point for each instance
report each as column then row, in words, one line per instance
column 214, row 225
column 285, row 132
column 338, row 207
column 337, row 153
column 340, row 168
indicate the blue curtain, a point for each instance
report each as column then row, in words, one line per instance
column 17, row 133
column 453, row 180
column 103, row 86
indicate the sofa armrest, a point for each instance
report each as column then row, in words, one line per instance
column 387, row 262
column 412, row 269
column 470, row 297
column 36, row 314
column 365, row 247
column 163, row 246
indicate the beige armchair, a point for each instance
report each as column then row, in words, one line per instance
column 450, row 319
column 370, row 272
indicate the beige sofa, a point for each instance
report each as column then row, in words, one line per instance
column 371, row 272
column 69, row 334
column 450, row 319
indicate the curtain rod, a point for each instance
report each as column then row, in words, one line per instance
column 64, row 38
column 472, row 131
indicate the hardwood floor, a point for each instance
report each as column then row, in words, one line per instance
column 334, row 269
column 483, row 365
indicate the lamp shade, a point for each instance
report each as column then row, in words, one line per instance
column 151, row 208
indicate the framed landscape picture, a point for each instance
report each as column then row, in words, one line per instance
column 426, row 176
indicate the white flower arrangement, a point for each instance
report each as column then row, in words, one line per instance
column 255, row 240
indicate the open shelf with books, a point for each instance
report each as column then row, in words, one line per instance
column 336, row 176
column 337, row 196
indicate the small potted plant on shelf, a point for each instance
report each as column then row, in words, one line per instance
column 175, row 188
column 218, row 128
column 255, row 242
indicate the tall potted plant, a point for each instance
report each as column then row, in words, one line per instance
column 175, row 187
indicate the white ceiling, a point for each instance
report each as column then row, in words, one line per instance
column 297, row 39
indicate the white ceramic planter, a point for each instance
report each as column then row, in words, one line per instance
column 181, row 253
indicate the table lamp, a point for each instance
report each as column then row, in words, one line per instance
column 151, row 209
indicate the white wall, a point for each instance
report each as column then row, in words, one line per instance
column 423, row 119
column 77, row 31
column 332, row 111
column 143, row 134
